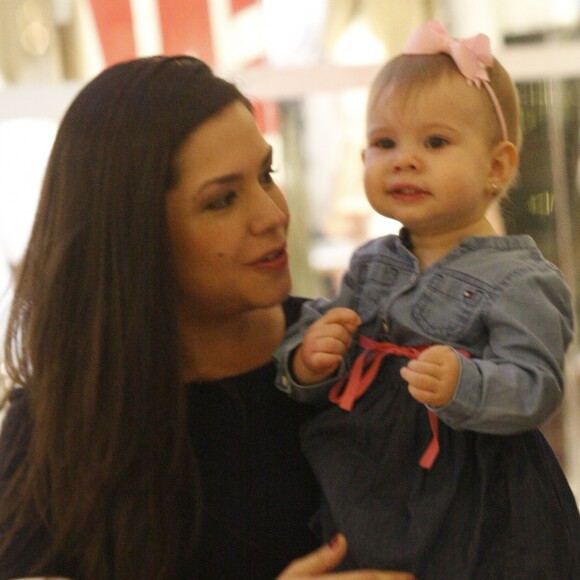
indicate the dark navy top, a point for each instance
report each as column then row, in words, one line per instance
column 259, row 492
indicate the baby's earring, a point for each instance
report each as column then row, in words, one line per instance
column 493, row 187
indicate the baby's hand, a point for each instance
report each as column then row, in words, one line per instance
column 433, row 376
column 325, row 343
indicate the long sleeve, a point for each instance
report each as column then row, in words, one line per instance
column 312, row 310
column 517, row 382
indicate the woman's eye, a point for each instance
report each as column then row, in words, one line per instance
column 266, row 178
column 223, row 201
column 436, row 142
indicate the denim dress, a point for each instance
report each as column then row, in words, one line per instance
column 493, row 503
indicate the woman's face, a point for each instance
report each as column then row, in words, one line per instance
column 227, row 219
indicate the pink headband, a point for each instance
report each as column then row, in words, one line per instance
column 471, row 55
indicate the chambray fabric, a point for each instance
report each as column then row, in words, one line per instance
column 497, row 298
column 496, row 503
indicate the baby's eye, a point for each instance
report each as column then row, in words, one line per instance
column 436, row 142
column 384, row 144
column 222, row 201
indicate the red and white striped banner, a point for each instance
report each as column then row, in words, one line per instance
column 220, row 32
column 204, row 28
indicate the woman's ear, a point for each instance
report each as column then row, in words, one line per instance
column 504, row 164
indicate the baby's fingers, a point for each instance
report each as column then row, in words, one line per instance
column 421, row 385
column 345, row 317
column 332, row 333
column 433, row 376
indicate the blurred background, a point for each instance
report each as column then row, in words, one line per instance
column 307, row 65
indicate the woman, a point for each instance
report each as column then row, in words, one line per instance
column 145, row 438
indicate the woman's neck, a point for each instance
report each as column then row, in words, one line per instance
column 217, row 349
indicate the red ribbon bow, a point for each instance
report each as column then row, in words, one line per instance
column 363, row 372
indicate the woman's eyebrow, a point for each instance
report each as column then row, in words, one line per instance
column 231, row 177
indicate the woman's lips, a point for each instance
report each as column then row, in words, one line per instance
column 273, row 260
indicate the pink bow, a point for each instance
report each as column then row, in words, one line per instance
column 471, row 55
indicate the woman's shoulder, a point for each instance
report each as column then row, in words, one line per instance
column 292, row 307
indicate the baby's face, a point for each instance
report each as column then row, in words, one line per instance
column 430, row 155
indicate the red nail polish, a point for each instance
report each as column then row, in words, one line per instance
column 333, row 542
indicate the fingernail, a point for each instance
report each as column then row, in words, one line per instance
column 333, row 542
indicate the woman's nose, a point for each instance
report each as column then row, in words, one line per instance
column 271, row 212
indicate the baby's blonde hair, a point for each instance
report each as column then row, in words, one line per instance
column 407, row 71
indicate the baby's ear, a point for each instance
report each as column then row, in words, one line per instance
column 504, row 164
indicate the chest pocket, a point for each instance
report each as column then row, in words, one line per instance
column 449, row 307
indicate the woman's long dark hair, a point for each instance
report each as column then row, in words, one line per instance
column 92, row 335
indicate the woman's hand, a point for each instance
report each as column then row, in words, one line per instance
column 326, row 558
